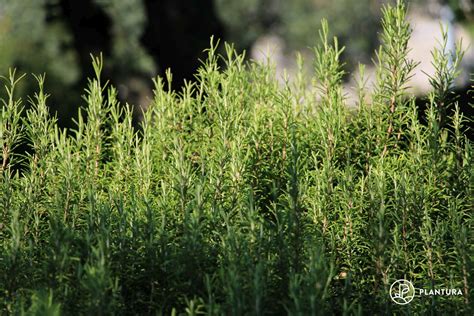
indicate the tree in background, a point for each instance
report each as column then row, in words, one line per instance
column 139, row 40
column 464, row 9
column 31, row 43
column 142, row 38
column 355, row 23
column 89, row 25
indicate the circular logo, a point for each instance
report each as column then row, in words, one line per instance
column 402, row 292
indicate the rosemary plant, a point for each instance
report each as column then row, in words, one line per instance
column 239, row 195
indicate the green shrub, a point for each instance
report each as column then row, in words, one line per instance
column 240, row 196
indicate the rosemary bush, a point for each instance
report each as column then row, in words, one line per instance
column 240, row 196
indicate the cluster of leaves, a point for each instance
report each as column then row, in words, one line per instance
column 27, row 41
column 239, row 196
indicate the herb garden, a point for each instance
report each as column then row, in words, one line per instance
column 239, row 195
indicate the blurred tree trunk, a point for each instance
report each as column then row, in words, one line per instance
column 177, row 32
column 90, row 27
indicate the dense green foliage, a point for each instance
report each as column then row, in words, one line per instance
column 239, row 196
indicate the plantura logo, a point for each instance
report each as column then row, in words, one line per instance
column 402, row 292
column 440, row 292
